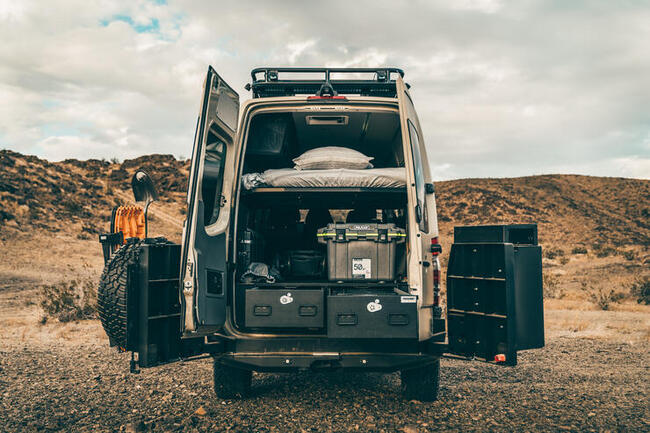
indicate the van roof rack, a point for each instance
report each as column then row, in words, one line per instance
column 270, row 81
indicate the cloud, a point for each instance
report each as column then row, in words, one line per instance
column 502, row 88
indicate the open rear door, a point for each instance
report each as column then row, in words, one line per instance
column 203, row 257
column 494, row 292
column 421, row 209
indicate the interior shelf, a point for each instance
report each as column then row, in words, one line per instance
column 333, row 198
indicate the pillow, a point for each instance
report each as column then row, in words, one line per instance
column 323, row 158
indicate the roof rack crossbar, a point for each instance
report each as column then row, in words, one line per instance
column 267, row 83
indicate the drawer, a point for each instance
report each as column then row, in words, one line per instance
column 284, row 308
column 371, row 316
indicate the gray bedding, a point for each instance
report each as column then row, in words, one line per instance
column 332, row 178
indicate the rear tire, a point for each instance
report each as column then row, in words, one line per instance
column 231, row 382
column 422, row 383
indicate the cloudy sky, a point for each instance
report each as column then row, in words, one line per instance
column 502, row 88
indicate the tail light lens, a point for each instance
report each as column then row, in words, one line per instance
column 436, row 248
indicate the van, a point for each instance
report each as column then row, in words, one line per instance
column 311, row 242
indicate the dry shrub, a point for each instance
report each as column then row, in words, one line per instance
column 564, row 260
column 69, row 301
column 551, row 285
column 640, row 290
column 579, row 250
column 552, row 252
column 603, row 297
column 629, row 255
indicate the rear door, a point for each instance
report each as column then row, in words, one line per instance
column 494, row 292
column 203, row 258
column 422, row 208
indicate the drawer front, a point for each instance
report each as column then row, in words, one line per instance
column 284, row 308
column 371, row 316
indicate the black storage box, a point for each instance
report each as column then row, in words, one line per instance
column 494, row 291
column 284, row 308
column 361, row 251
column 518, row 234
column 250, row 249
column 305, row 264
column 369, row 315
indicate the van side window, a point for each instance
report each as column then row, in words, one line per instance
column 215, row 154
column 420, row 210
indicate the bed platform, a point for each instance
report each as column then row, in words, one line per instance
column 332, row 198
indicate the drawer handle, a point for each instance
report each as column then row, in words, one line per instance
column 262, row 310
column 346, row 319
column 307, row 310
column 398, row 319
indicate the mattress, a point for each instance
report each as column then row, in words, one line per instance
column 331, row 178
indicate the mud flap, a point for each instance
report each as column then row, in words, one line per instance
column 494, row 292
column 154, row 310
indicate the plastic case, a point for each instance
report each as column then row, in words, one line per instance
column 361, row 251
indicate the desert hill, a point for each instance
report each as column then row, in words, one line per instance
column 571, row 210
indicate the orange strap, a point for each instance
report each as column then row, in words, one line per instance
column 130, row 221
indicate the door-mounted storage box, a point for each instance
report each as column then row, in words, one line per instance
column 361, row 251
column 284, row 308
column 494, row 292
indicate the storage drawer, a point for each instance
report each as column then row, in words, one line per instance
column 371, row 316
column 284, row 308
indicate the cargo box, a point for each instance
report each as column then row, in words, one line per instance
column 361, row 251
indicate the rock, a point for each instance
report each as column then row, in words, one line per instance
column 200, row 411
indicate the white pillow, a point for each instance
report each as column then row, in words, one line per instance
column 323, row 158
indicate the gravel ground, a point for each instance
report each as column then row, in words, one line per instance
column 571, row 385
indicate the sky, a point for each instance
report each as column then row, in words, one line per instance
column 501, row 88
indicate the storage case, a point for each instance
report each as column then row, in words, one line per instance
column 361, row 251
column 307, row 264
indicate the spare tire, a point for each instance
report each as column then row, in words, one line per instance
column 112, row 292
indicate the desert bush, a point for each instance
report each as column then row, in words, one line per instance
column 603, row 297
column 564, row 260
column 551, row 285
column 605, row 252
column 579, row 250
column 629, row 255
column 640, row 290
column 70, row 300
column 552, row 253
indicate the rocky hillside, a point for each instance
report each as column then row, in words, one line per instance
column 57, row 196
column 575, row 210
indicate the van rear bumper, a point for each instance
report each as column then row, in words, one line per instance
column 278, row 362
column 284, row 354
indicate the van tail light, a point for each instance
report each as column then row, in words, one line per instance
column 436, row 248
column 436, row 282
